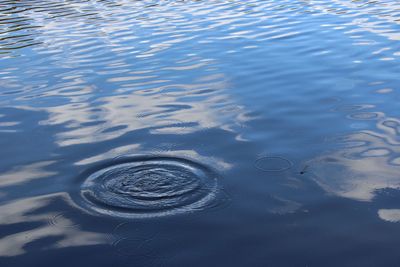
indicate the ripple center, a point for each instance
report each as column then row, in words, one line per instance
column 147, row 187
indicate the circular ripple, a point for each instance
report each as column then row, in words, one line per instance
column 349, row 108
column 364, row 116
column 275, row 164
column 149, row 187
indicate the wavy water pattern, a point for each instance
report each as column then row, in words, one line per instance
column 199, row 133
column 148, row 187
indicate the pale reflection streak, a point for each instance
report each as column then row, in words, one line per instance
column 366, row 163
column 26, row 173
column 122, row 150
column 135, row 151
column 213, row 162
column 132, row 95
column 23, row 211
column 372, row 16
column 389, row 215
column 182, row 108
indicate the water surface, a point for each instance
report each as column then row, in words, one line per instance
column 199, row 133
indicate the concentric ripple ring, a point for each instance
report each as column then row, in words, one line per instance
column 148, row 187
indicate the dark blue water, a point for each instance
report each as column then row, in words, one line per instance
column 199, row 133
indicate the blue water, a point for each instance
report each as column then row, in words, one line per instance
column 199, row 133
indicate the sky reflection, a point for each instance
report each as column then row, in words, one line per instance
column 249, row 89
column 364, row 164
column 30, row 211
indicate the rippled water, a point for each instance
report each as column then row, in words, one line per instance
column 199, row 133
column 146, row 187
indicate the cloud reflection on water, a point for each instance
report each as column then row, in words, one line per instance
column 28, row 210
column 390, row 215
column 26, row 173
column 365, row 162
column 183, row 109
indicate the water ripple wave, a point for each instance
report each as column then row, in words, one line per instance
column 149, row 187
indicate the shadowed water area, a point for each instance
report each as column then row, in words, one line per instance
column 199, row 133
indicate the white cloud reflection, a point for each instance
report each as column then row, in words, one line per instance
column 26, row 173
column 365, row 163
column 389, row 215
column 26, row 211
column 376, row 17
column 176, row 108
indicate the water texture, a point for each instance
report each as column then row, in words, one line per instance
column 199, row 133
column 146, row 187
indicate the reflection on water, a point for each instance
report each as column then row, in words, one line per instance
column 291, row 104
column 365, row 163
column 179, row 110
column 23, row 174
column 390, row 215
column 25, row 211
